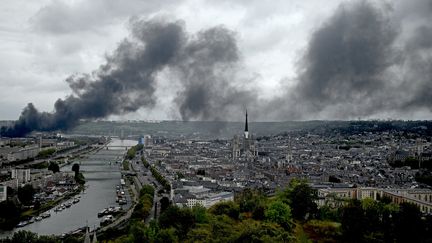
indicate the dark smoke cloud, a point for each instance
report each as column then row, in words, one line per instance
column 204, row 63
column 346, row 62
column 366, row 60
column 418, row 56
column 124, row 84
column 206, row 68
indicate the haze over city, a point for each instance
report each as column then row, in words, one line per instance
column 295, row 60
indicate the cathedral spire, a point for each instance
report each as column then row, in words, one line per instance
column 246, row 132
column 246, row 124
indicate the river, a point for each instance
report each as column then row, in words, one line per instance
column 102, row 174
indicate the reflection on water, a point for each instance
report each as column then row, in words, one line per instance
column 102, row 174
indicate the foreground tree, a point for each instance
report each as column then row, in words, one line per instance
column 280, row 213
column 181, row 219
column 164, row 202
column 259, row 231
column 252, row 203
column 9, row 214
column 353, row 222
column 301, row 198
column 229, row 208
column 409, row 227
column 76, row 168
column 54, row 167
column 25, row 194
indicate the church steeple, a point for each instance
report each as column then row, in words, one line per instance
column 246, row 131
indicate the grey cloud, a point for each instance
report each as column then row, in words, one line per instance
column 124, row 84
column 59, row 17
column 127, row 82
column 366, row 60
column 347, row 58
column 418, row 57
column 206, row 68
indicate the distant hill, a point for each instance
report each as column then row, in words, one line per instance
column 224, row 130
column 217, row 129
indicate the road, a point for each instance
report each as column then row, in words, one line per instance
column 145, row 177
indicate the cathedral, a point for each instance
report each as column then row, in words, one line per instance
column 246, row 147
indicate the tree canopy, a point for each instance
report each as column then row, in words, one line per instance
column 54, row 167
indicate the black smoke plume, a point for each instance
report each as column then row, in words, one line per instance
column 203, row 62
column 207, row 69
column 366, row 60
column 124, row 84
column 344, row 70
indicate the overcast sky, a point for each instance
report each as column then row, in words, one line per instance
column 44, row 42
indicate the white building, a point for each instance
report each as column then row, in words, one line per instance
column 22, row 176
column 420, row 197
column 210, row 199
column 3, row 193
column 24, row 153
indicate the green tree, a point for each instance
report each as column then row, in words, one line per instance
column 201, row 234
column 259, row 231
column 409, row 226
column 139, row 147
column 327, row 213
column 130, row 154
column 164, row 203
column 373, row 213
column 125, row 165
column 322, row 231
column 252, row 202
column 54, row 167
column 280, row 213
column 334, row 179
column 25, row 194
column 9, row 214
column 428, row 228
column 24, row 236
column 182, row 219
column 76, row 168
column 353, row 222
column 201, row 172
column 301, row 198
column 200, row 214
column 137, row 231
column 228, row 208
column 168, row 235
column 222, row 228
column 147, row 189
column 145, row 203
column 180, row 175
column 10, row 191
column 79, row 178
column 46, row 153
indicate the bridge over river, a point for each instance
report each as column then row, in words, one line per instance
column 102, row 176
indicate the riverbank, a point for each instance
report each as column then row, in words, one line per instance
column 102, row 174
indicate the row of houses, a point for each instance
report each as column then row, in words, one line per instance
column 420, row 197
column 17, row 153
column 194, row 193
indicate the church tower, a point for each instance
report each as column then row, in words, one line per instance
column 246, row 131
column 246, row 147
column 289, row 156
